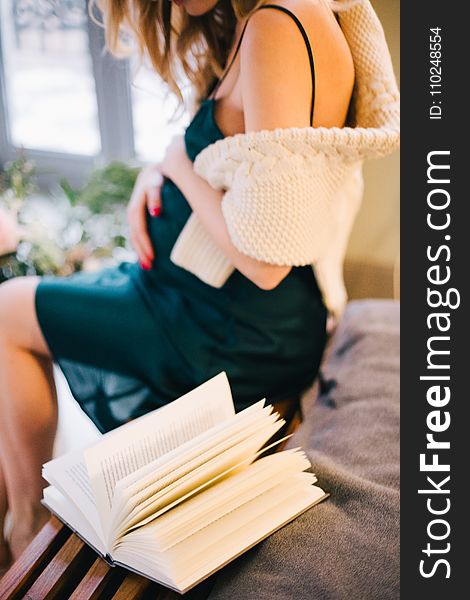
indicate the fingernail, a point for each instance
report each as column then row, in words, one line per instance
column 145, row 265
column 155, row 211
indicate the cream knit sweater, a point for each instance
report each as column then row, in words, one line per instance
column 291, row 194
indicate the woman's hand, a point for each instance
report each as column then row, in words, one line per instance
column 145, row 197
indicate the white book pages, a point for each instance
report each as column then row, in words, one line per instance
column 69, row 475
column 212, row 504
column 60, row 505
column 228, row 461
column 138, row 480
column 233, row 469
column 243, row 538
column 187, row 554
column 181, row 460
column 185, row 464
column 145, row 439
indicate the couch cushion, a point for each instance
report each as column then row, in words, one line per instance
column 348, row 546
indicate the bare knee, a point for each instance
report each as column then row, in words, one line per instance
column 18, row 320
column 11, row 294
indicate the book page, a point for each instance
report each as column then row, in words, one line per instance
column 227, row 463
column 153, row 435
column 187, row 458
column 243, row 529
column 68, row 473
column 68, row 513
column 227, row 495
column 148, row 474
column 154, row 535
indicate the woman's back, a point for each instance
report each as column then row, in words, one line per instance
column 269, row 84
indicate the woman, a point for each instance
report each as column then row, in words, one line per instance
column 156, row 322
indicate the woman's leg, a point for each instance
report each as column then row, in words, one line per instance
column 28, row 407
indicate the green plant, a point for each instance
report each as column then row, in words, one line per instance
column 107, row 188
column 18, row 178
column 59, row 234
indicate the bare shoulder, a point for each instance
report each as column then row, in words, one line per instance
column 275, row 67
column 315, row 16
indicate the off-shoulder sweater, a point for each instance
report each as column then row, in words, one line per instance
column 291, row 194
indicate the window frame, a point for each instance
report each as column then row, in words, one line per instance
column 114, row 106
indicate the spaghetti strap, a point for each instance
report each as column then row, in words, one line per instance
column 309, row 49
column 307, row 43
column 217, row 85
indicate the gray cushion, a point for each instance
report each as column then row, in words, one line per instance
column 348, row 546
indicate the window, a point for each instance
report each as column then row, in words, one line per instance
column 71, row 105
column 50, row 90
column 155, row 115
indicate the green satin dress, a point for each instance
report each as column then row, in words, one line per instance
column 130, row 340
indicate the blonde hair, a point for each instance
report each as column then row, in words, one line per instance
column 178, row 45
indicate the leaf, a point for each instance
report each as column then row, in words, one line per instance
column 106, row 188
column 68, row 190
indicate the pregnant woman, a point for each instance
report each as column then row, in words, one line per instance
column 263, row 185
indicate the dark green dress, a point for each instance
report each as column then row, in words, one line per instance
column 129, row 340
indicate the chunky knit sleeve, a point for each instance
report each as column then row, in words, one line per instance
column 282, row 214
column 279, row 200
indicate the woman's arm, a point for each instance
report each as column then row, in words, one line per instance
column 206, row 203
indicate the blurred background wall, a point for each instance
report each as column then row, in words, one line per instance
column 373, row 253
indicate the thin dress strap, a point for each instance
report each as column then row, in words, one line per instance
column 307, row 43
column 217, row 85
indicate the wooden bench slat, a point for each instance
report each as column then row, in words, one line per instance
column 132, row 588
column 98, row 581
column 63, row 572
column 25, row 570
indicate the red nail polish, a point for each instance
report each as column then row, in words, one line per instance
column 145, row 265
column 155, row 211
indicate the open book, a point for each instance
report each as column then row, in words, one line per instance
column 180, row 492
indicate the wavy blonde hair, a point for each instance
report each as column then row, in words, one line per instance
column 177, row 44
